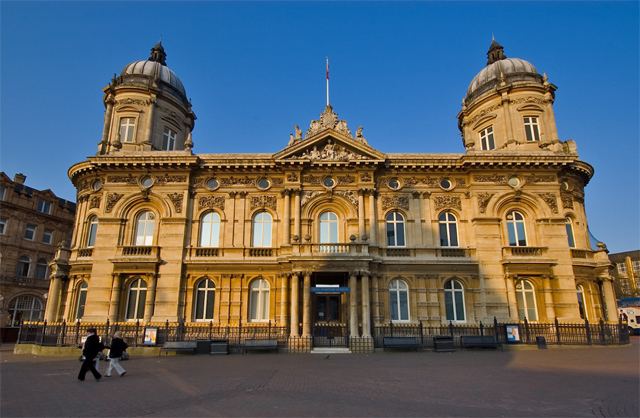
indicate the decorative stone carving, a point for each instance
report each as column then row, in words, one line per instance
column 528, row 99
column 483, row 113
column 567, row 200
column 292, row 177
column 483, row 201
column 410, row 181
column 264, row 201
column 165, row 178
column 491, row 178
column 447, row 201
column 308, row 195
column 365, row 177
column 112, row 199
column 328, row 152
column 350, row 196
column 235, row 181
column 348, row 179
column 94, row 202
column 130, row 101
column 128, row 179
column 198, row 181
column 328, row 120
column 550, row 200
column 460, row 181
column 176, row 199
column 390, row 202
column 277, row 181
column 541, row 178
column 211, row 201
column 311, row 179
column 430, row 181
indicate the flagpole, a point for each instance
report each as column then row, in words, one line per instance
column 327, row 81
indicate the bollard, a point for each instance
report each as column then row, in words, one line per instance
column 541, row 342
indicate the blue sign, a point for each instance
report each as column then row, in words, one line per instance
column 329, row 289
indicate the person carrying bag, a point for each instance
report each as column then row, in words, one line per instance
column 117, row 350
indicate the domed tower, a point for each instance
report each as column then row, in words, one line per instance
column 508, row 106
column 146, row 109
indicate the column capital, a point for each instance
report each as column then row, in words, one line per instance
column 232, row 194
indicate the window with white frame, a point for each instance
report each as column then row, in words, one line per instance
column 582, row 302
column 92, row 231
column 24, row 266
column 448, row 225
column 82, row 299
column 486, row 139
column 454, row 301
column 399, row 300
column 569, row 227
column 145, row 227
column 47, row 236
column 41, row 269
column 25, row 308
column 328, row 231
column 169, row 139
column 210, row 230
column 261, row 230
column 205, row 297
column 127, row 129
column 526, row 298
column 259, row 301
column 516, row 230
column 30, row 232
column 136, row 298
column 531, row 129
column 3, row 226
column 44, row 206
column 395, row 229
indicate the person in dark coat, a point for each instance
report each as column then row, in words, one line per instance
column 118, row 347
column 92, row 347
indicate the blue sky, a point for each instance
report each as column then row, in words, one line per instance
column 253, row 70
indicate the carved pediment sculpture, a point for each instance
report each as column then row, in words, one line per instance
column 330, row 151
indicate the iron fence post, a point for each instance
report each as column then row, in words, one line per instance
column 19, row 332
column 269, row 331
column 587, row 330
column 136, row 334
column 77, row 331
column 451, row 328
column 495, row 327
column 166, row 331
column 526, row 329
column 557, row 330
column 44, row 330
column 106, row 331
column 391, row 327
column 481, row 329
column 63, row 332
column 602, row 331
column 421, row 334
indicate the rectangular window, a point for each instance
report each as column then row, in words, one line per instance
column 47, row 237
column 622, row 268
column 44, row 206
column 3, row 225
column 2, row 191
column 531, row 128
column 169, row 139
column 486, row 138
column 30, row 232
column 127, row 129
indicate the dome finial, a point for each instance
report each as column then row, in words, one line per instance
column 496, row 51
column 158, row 54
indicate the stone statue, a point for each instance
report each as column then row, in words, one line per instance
column 291, row 140
column 298, row 133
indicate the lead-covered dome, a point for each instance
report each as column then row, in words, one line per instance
column 500, row 68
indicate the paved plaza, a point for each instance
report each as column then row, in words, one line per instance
column 558, row 382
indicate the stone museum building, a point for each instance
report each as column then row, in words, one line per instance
column 32, row 224
column 329, row 229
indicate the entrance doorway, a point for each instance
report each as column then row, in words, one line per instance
column 329, row 310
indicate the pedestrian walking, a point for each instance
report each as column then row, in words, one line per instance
column 92, row 348
column 117, row 349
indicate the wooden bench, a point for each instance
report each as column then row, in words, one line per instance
column 478, row 341
column 259, row 345
column 409, row 343
column 180, row 347
column 442, row 343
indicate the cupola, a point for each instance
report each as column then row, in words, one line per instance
column 147, row 109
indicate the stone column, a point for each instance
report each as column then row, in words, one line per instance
column 231, row 242
column 294, row 305
column 53, row 299
column 151, row 299
column 511, row 296
column 148, row 132
column 284, row 287
column 296, row 208
column 366, row 310
column 306, row 305
column 609, row 300
column 114, row 303
column 548, row 299
column 107, row 125
column 507, row 117
column 353, row 307
column 373, row 224
column 376, row 299
column 361, row 229
column 287, row 217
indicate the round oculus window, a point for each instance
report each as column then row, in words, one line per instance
column 446, row 184
column 263, row 183
column 213, row 183
column 514, row 181
column 329, row 182
column 96, row 185
column 146, row 182
column 394, row 184
column 565, row 186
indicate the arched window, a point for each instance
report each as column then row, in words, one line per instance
column 448, row 229
column 24, row 266
column 259, row 301
column 569, row 226
column 582, row 302
column 454, row 300
column 526, row 297
column 210, row 230
column 516, row 229
column 399, row 300
column 25, row 308
column 261, row 230
column 145, row 225
column 92, row 223
column 205, row 296
column 328, row 231
column 395, row 229
column 136, row 299
column 41, row 269
column 82, row 300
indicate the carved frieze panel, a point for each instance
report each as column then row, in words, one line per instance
column 165, row 178
column 263, row 201
column 446, row 202
column 528, row 99
column 277, row 181
column 400, row 201
column 311, row 179
column 94, row 201
column 112, row 199
column 128, row 179
column 292, row 177
column 550, row 200
column 347, row 179
column 567, row 200
column 130, row 101
column 176, row 199
column 328, row 152
column 483, row 201
column 541, row 178
column 308, row 195
column 198, row 181
column 490, row 178
column 350, row 196
column 237, row 181
column 430, row 181
column 211, row 201
column 483, row 113
column 365, row 177
column 410, row 181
